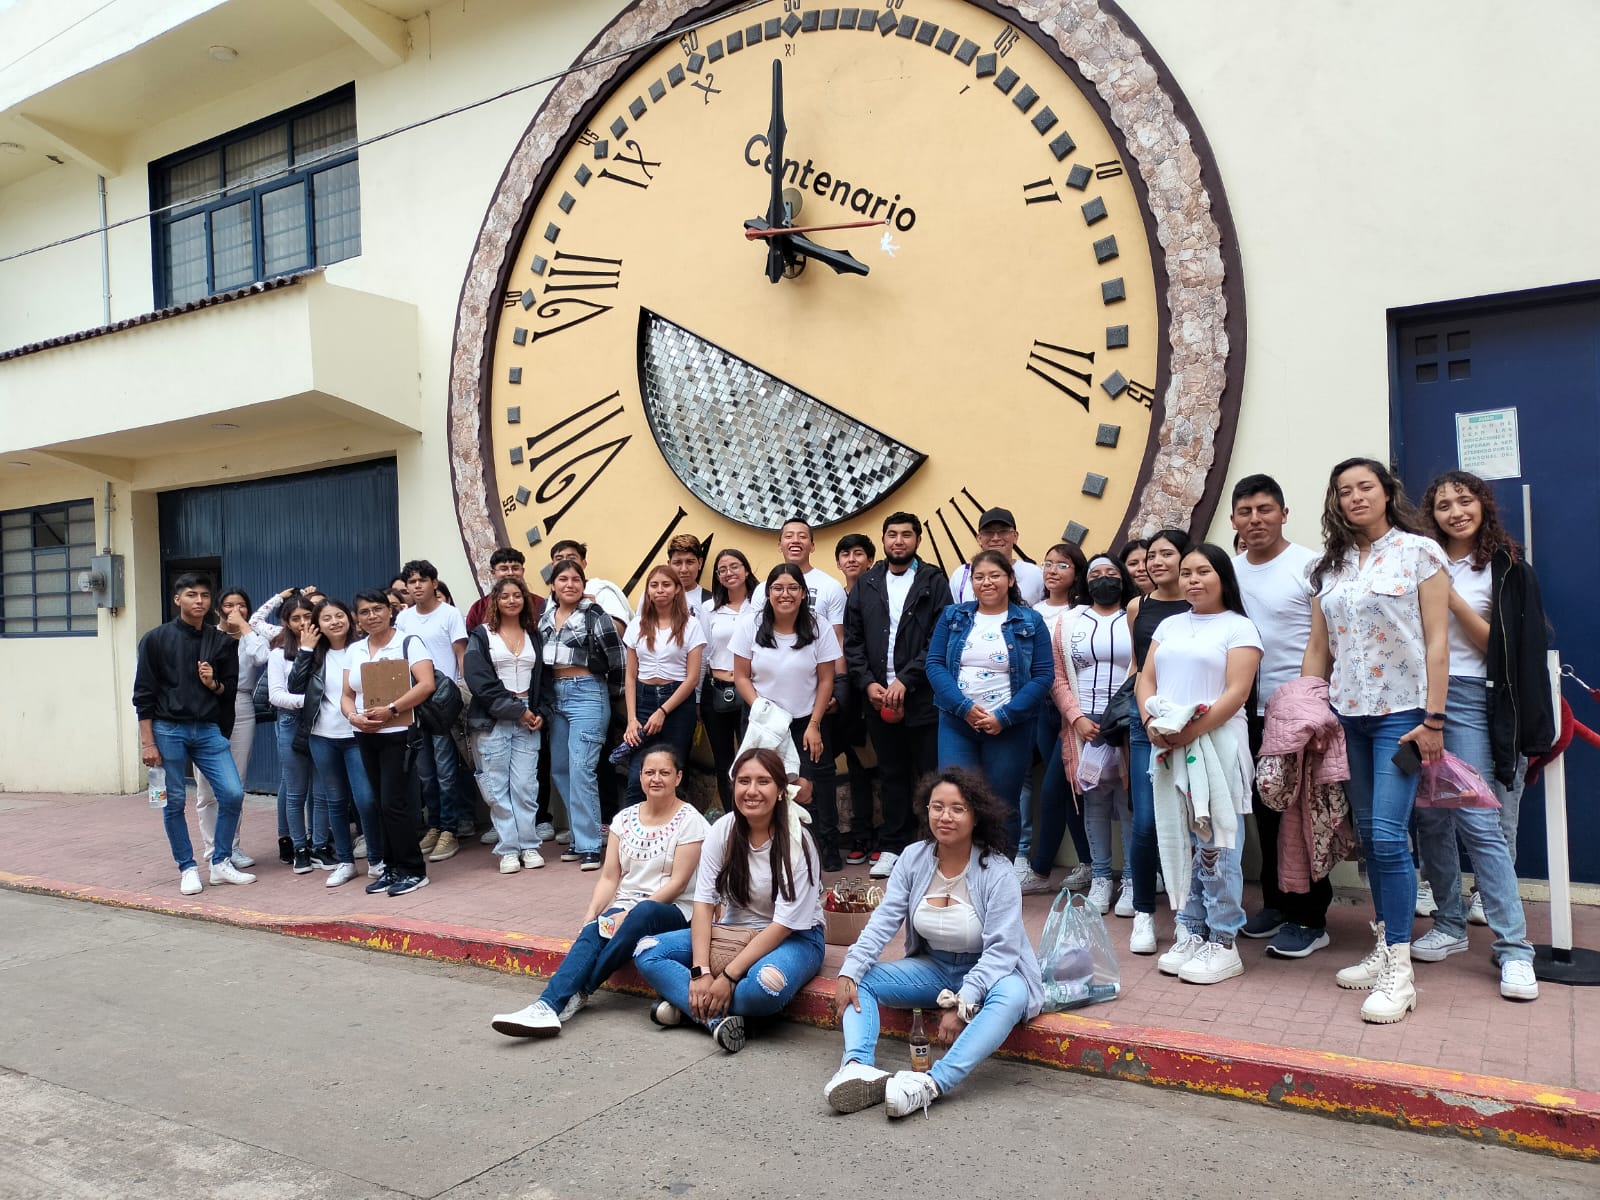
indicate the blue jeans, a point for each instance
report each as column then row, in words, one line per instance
column 1466, row 735
column 1142, row 795
column 344, row 780
column 677, row 730
column 294, row 783
column 508, row 775
column 202, row 743
column 664, row 962
column 1002, row 758
column 1101, row 806
column 593, row 959
column 916, row 983
column 577, row 732
column 1381, row 797
column 437, row 766
column 1214, row 907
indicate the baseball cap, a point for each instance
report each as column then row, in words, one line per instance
column 997, row 516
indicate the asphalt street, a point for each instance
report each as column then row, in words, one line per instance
column 151, row 1056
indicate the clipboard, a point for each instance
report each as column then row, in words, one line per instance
column 385, row 681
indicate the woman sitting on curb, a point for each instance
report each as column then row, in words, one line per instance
column 957, row 895
column 760, row 867
column 651, row 857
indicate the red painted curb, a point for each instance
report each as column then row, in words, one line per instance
column 1560, row 1121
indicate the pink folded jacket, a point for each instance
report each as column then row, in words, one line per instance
column 1301, row 773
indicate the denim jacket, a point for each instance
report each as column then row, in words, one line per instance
column 1027, row 645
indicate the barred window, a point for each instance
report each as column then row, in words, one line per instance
column 276, row 197
column 42, row 550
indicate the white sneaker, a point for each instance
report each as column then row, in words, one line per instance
column 1078, row 878
column 546, row 831
column 1185, row 948
column 855, row 1086
column 1100, row 895
column 1436, row 945
column 532, row 860
column 575, row 1005
column 359, row 850
column 907, row 1091
column 1124, row 906
column 1425, row 903
column 1021, row 865
column 1517, row 981
column 1032, row 884
column 1143, row 939
column 189, row 882
column 1475, row 909
column 1213, row 964
column 509, row 864
column 489, row 838
column 666, row 1015
column 375, row 870
column 538, row 1020
column 564, row 837
column 885, row 864
column 343, row 873
column 226, row 872
column 242, row 860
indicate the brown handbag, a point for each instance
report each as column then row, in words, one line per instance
column 727, row 943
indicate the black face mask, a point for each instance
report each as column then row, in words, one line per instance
column 1105, row 590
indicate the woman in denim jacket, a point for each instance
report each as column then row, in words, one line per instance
column 990, row 668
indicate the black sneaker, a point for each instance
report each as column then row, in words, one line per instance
column 406, row 884
column 381, row 884
column 855, row 857
column 322, row 858
column 285, row 850
column 590, row 861
column 302, row 861
column 831, row 860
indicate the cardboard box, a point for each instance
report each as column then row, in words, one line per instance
column 842, row 929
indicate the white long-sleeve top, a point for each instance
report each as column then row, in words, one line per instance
column 278, row 664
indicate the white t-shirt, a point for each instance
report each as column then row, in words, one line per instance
column 1192, row 668
column 1477, row 589
column 514, row 670
column 645, row 854
column 896, row 589
column 719, row 624
column 803, row 912
column 1277, row 595
column 1052, row 614
column 439, row 630
column 330, row 720
column 1030, row 582
column 613, row 601
column 362, row 652
column 827, row 596
column 985, row 670
column 669, row 660
column 1099, row 649
column 784, row 674
column 695, row 598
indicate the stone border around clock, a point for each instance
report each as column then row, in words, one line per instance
column 1197, row 401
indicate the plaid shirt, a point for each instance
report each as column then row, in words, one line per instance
column 588, row 639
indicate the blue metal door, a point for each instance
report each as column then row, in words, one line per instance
column 1540, row 356
column 337, row 528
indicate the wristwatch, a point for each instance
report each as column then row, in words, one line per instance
column 698, row 972
column 395, row 710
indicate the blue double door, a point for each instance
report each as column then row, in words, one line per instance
column 1457, row 370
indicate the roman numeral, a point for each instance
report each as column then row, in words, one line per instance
column 587, row 273
column 1040, row 191
column 1045, row 361
column 574, row 474
column 566, row 274
column 638, row 160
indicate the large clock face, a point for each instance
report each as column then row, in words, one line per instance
column 641, row 375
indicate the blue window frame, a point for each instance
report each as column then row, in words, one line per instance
column 41, row 552
column 275, row 197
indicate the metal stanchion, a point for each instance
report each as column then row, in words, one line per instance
column 1560, row 962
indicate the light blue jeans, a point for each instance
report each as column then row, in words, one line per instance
column 916, row 983
column 508, row 776
column 1214, row 907
column 1381, row 796
column 294, row 786
column 1466, row 735
column 344, row 781
column 767, row 986
column 577, row 732
column 1100, row 807
column 202, row 743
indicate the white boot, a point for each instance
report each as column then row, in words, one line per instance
column 1395, row 993
column 1364, row 974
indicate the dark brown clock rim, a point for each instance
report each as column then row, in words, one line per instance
column 1232, row 285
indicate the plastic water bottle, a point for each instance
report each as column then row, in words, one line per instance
column 921, row 1051
column 158, row 787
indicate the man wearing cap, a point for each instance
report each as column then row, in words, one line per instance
column 997, row 530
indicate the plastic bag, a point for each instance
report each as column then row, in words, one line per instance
column 1454, row 783
column 1076, row 960
column 1098, row 764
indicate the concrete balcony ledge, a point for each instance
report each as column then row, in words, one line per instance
column 300, row 355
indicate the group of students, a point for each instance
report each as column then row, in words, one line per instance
column 1409, row 628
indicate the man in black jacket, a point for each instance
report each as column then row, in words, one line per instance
column 888, row 622
column 183, row 689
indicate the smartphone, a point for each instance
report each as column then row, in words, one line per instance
column 1408, row 758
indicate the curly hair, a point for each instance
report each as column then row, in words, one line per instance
column 1339, row 536
column 525, row 618
column 988, row 813
column 1491, row 537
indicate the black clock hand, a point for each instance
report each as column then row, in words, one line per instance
column 777, row 214
column 842, row 261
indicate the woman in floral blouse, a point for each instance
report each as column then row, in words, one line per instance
column 1379, row 635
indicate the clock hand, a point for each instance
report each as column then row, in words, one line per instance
column 842, row 261
column 751, row 232
column 777, row 213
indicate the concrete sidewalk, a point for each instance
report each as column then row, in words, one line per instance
column 1466, row 1062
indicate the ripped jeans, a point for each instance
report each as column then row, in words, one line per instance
column 770, row 983
column 1215, row 905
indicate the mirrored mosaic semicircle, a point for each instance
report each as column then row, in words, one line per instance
column 753, row 447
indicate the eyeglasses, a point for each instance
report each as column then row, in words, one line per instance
column 1055, row 566
column 730, row 569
